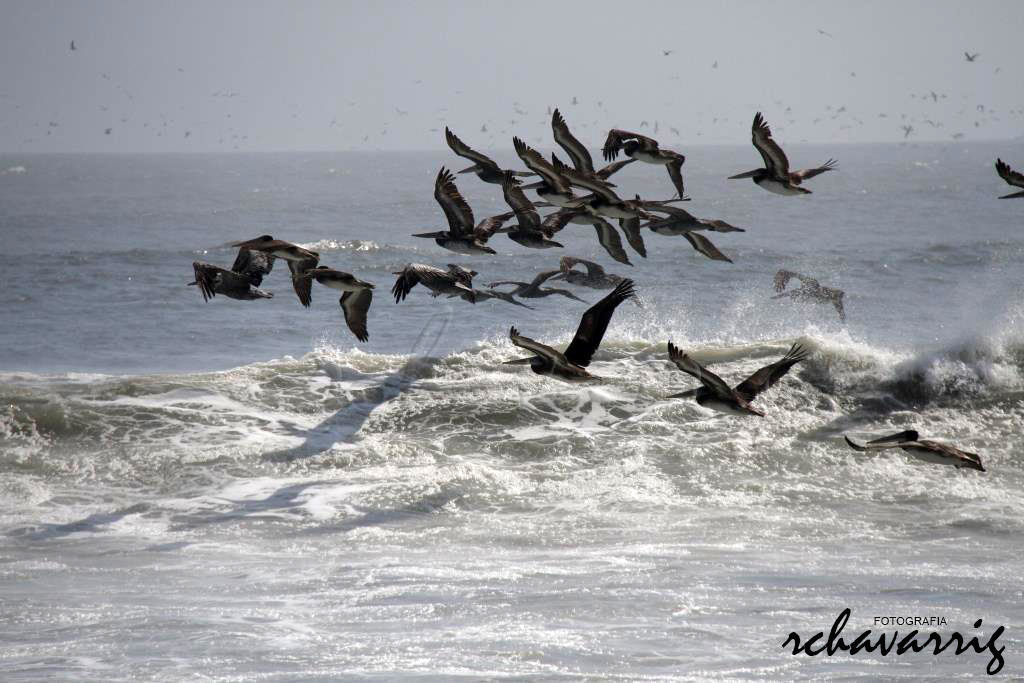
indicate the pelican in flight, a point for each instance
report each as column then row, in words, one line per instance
column 809, row 290
column 483, row 166
column 1011, row 177
column 241, row 282
column 533, row 289
column 530, row 232
column 607, row 236
column 355, row 299
column 463, row 236
column 299, row 260
column 776, row 176
column 553, row 186
column 643, row 148
column 595, row 276
column 450, row 282
column 578, row 153
column 922, row 449
column 465, row 276
column 969, row 57
column 571, row 365
column 717, row 395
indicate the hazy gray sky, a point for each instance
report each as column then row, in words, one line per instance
column 345, row 75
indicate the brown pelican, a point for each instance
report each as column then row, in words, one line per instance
column 533, row 290
column 436, row 280
column 643, row 148
column 678, row 221
column 485, row 294
column 355, row 300
column 604, row 202
column 717, row 395
column 462, row 236
column 595, row 277
column 483, row 166
column 299, row 260
column 529, row 232
column 213, row 280
column 776, row 176
column 810, row 290
column 922, row 449
column 570, row 365
column 553, row 187
column 1011, row 177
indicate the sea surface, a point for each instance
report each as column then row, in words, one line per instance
column 241, row 491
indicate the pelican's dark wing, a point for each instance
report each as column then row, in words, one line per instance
column 770, row 374
column 609, row 238
column 301, row 282
column 488, row 226
column 891, row 441
column 797, row 177
column 675, row 173
column 631, row 228
column 573, row 147
column 536, row 163
column 412, row 275
column 612, row 168
column 594, row 270
column 774, row 158
column 595, row 323
column 523, row 208
column 355, row 306
column 554, row 222
column 456, row 210
column 585, row 180
column 713, row 382
column 705, row 246
column 253, row 264
column 1008, row 174
column 613, row 143
column 466, row 152
column 536, row 347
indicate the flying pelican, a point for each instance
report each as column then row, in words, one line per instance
column 645, row 149
column 299, row 260
column 533, row 289
column 529, row 231
column 570, row 366
column 809, row 290
column 451, row 283
column 483, row 166
column 553, row 187
column 355, row 299
column 922, row 449
column 604, row 202
column 717, row 395
column 776, row 176
column 213, row 280
column 461, row 237
column 579, row 154
column 970, row 57
column 1011, row 177
column 907, row 130
column 595, row 276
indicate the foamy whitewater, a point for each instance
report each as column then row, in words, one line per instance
column 239, row 491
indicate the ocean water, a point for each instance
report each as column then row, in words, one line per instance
column 240, row 491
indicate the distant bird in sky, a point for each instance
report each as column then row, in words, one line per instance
column 574, row 100
column 970, row 57
column 106, row 131
column 73, row 45
column 824, row 33
column 667, row 52
column 907, row 130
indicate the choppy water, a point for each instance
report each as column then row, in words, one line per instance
column 239, row 491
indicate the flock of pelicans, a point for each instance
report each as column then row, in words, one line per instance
column 556, row 186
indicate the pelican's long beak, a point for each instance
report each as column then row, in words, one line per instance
column 748, row 174
column 519, row 361
column 430, row 234
column 532, row 186
column 471, row 169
